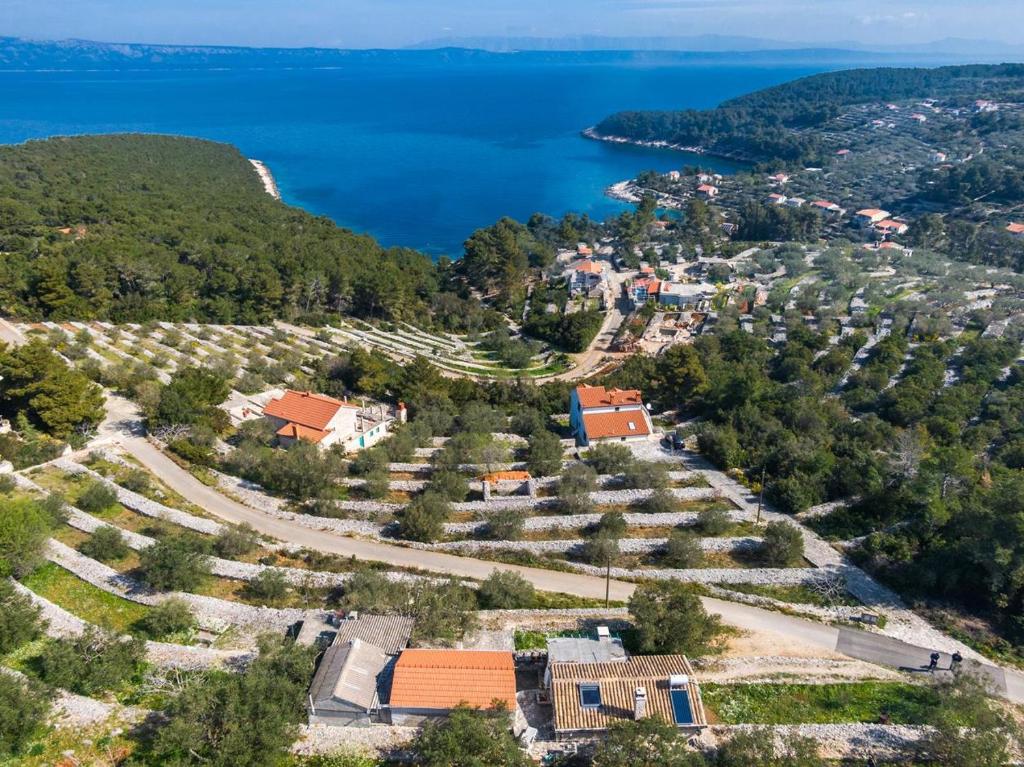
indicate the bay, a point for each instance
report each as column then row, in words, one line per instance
column 416, row 155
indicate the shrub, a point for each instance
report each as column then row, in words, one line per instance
column 105, row 544
column 714, row 521
column 609, row 458
column 469, row 737
column 575, row 504
column 19, row 619
column 24, row 706
column 545, row 454
column 506, row 524
column 423, row 519
column 377, row 484
column 236, row 540
column 135, row 480
column 91, row 663
column 505, row 590
column 172, row 564
column 661, row 501
column 369, row 461
column 577, row 478
column 670, row 619
column 401, row 446
column 450, row 485
column 270, row 586
column 641, row 475
column 172, row 616
column 683, row 551
column 98, row 496
column 24, row 529
column 7, row 484
column 601, row 550
column 612, row 524
column 783, row 544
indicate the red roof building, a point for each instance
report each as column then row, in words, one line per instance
column 430, row 683
column 597, row 414
column 324, row 421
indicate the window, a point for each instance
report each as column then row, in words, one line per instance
column 590, row 695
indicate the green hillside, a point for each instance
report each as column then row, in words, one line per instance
column 137, row 227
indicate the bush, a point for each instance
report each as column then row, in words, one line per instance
column 172, row 616
column 575, row 504
column 612, row 524
column 135, row 480
column 643, row 475
column 670, row 619
column 661, row 501
column 423, row 519
column 105, row 545
column 377, row 484
column 450, row 485
column 19, row 619
column 24, row 706
column 609, row 458
column 506, row 524
column 97, row 497
column 236, row 540
column 368, row 462
column 24, row 529
column 469, row 737
column 601, row 550
column 172, row 564
column 683, row 551
column 714, row 521
column 7, row 484
column 783, row 544
column 270, row 586
column 577, row 478
column 505, row 590
column 91, row 663
column 544, row 454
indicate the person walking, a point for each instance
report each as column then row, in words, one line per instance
column 934, row 662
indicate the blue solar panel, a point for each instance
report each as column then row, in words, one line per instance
column 681, row 710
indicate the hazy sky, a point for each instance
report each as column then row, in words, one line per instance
column 383, row 23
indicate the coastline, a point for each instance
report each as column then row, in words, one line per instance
column 269, row 185
column 592, row 133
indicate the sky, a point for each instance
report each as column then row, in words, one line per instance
column 396, row 23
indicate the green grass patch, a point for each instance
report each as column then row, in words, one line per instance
column 819, row 703
column 88, row 602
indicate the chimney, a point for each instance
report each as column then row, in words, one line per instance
column 640, row 703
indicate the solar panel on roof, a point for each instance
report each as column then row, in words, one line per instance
column 681, row 710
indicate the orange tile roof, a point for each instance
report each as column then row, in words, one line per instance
column 1015, row 228
column 872, row 212
column 442, row 679
column 590, row 267
column 615, row 424
column 298, row 431
column 305, row 408
column 654, row 286
column 598, row 396
column 890, row 224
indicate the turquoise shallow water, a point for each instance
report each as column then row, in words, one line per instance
column 416, row 155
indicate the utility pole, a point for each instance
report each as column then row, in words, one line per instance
column 608, row 581
column 760, row 496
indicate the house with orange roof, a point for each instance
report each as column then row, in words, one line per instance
column 586, row 278
column 597, row 414
column 869, row 216
column 707, row 191
column 428, row 684
column 325, row 421
column 1015, row 229
column 889, row 227
column 826, row 205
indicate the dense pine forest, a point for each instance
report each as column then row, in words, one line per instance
column 131, row 228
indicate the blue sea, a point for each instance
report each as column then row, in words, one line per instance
column 415, row 155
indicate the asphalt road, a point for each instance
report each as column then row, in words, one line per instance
column 855, row 643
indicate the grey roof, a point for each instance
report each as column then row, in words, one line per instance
column 388, row 632
column 573, row 650
column 349, row 676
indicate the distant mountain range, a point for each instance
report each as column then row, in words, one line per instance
column 721, row 43
column 21, row 54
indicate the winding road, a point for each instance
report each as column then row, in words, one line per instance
column 123, row 428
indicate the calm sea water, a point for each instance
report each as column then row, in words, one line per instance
column 417, row 156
